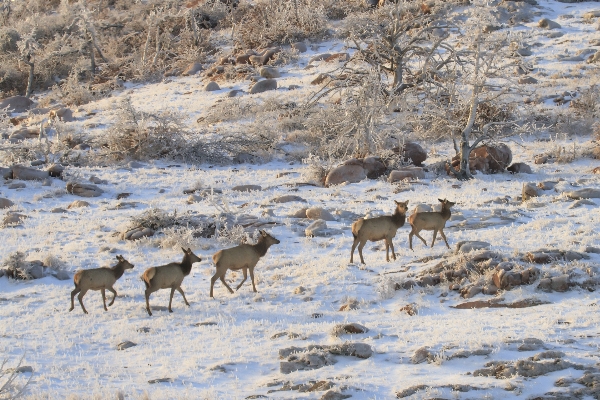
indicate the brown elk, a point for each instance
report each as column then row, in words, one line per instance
column 430, row 221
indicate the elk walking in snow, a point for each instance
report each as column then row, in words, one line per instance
column 244, row 257
column 378, row 228
column 430, row 221
column 169, row 276
column 98, row 279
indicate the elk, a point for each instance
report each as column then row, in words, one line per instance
column 378, row 228
column 169, row 276
column 244, row 257
column 430, row 221
column 98, row 279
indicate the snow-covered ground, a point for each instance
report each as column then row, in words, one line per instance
column 228, row 347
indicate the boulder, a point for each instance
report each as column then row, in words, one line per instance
column 16, row 104
column 546, row 23
column 299, row 46
column 287, row 198
column 192, row 69
column 319, row 57
column 78, row 204
column 558, row 284
column 269, row 72
column 12, row 219
column 422, row 208
column 264, row 86
column 520, row 168
column 319, row 213
column 547, row 185
column 348, row 173
column 406, row 173
column 26, row 132
column 540, row 159
column 28, row 174
column 492, row 159
column 317, row 228
column 55, row 170
column 6, row 173
column 84, row 189
column 507, row 279
column 591, row 14
column 125, row 345
column 470, row 291
column 5, row 203
column 413, row 152
column 471, row 245
column 63, row 114
column 212, row 86
column 528, row 191
column 527, row 80
column 587, row 193
column 353, row 328
column 594, row 58
column 137, row 233
column 374, row 167
column 322, row 77
column 247, row 188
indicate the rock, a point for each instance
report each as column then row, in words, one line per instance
column 78, row 204
column 359, row 350
column 212, row 86
column 63, row 114
column 24, row 133
column 17, row 185
column 62, row 275
column 353, row 328
column 269, row 72
column 422, row 208
column 560, row 283
column 192, row 69
column 36, row 270
column 591, row 14
column 527, row 80
column 550, row 354
column 263, row 86
column 507, row 279
column 246, row 188
column 490, row 290
column 160, row 380
column 137, row 233
column 299, row 46
column 5, row 203
column 374, row 167
column 287, row 198
column 409, row 173
column 16, row 104
column 410, row 309
column 331, row 395
column 234, row 92
column 55, row 170
column 587, row 193
column 594, row 58
column 322, row 77
column 540, row 159
column 6, row 173
column 58, row 210
column 546, row 23
column 125, row 345
column 520, row 168
column 317, row 228
column 319, row 213
column 12, row 219
column 351, row 305
column 580, row 203
column 20, row 370
column 422, row 354
column 547, row 185
column 528, row 191
column 319, row 57
column 345, row 174
column 84, row 189
column 470, row 291
column 301, row 213
column 28, row 174
column 412, row 151
column 471, row 245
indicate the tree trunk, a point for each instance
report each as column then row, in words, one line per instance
column 29, row 90
column 92, row 59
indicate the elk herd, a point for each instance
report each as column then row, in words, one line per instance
column 245, row 256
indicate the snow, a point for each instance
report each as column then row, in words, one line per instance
column 74, row 355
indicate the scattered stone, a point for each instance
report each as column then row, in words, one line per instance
column 540, row 159
column 471, row 245
column 318, row 213
column 287, row 198
column 299, row 46
column 550, row 354
column 546, row 256
column 319, row 57
column 587, row 193
column 413, row 152
column 547, row 185
column 269, row 72
column 97, row 181
column 5, row 203
column 470, row 291
column 557, row 284
column 137, row 233
column 594, row 58
column 580, row 203
column 410, row 309
column 529, row 191
column 63, row 114
column 409, row 173
column 12, row 219
column 62, row 275
column 527, row 80
column 17, row 185
column 524, row 368
column 6, row 173
column 58, row 210
column 20, row 370
column 55, row 170
column 192, row 69
column 263, row 86
column 84, row 189
column 352, row 305
column 421, row 355
column 205, row 323
column 546, row 23
column 28, row 174
column 160, row 380
column 16, row 104
column 125, row 345
column 234, row 92
column 353, row 328
column 321, row 78
column 317, row 228
column 247, row 188
column 520, row 168
column 124, row 195
column 212, row 86
column 331, row 395
column 78, row 204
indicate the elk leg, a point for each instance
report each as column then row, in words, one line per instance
column 419, row 236
column 387, row 250
column 360, row 248
column 410, row 236
column 80, row 297
column 171, row 298
column 434, row 236
column 212, row 283
column 104, row 299
column 147, row 293
column 392, row 247
column 245, row 270
column 114, row 292
column 222, row 277
column 180, row 290
column 444, row 237
column 353, row 247
column 73, row 293
column 252, row 279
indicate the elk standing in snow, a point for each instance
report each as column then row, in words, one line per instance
column 430, row 221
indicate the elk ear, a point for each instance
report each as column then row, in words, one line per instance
column 262, row 232
column 406, row 203
column 441, row 201
column 397, row 202
column 189, row 250
column 120, row 258
column 184, row 250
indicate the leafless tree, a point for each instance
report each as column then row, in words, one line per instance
column 28, row 48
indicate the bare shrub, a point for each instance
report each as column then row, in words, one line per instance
column 587, row 104
column 16, row 267
column 271, row 23
column 157, row 219
column 316, row 169
column 11, row 380
column 569, row 124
